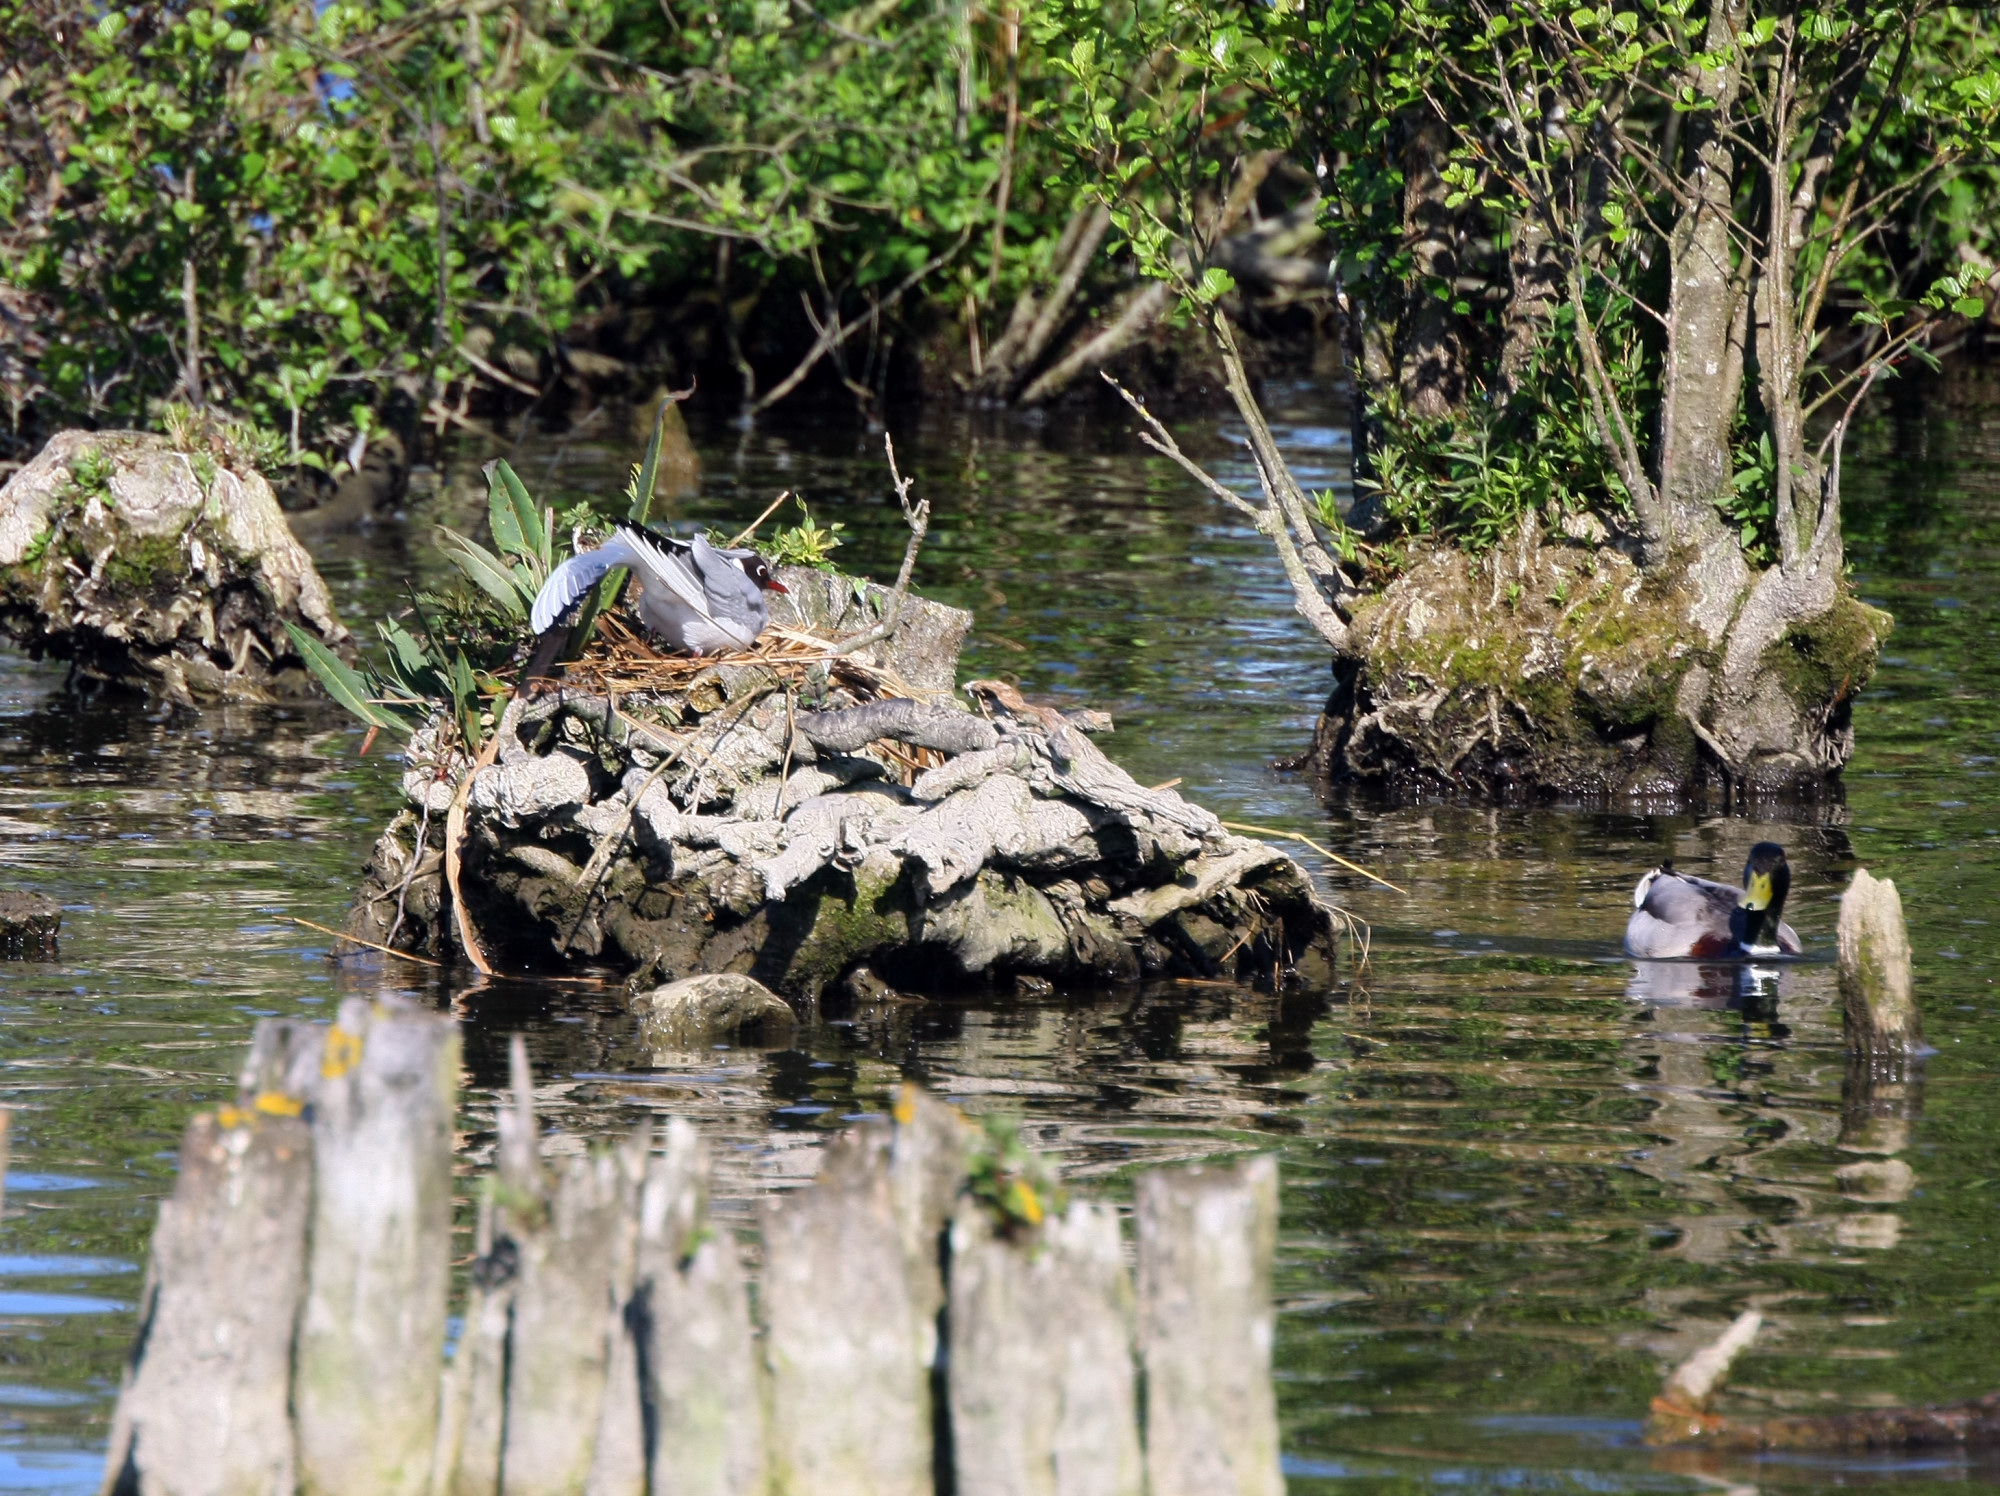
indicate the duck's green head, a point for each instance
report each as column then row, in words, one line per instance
column 1767, row 878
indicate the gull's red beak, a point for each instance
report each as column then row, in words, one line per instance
column 772, row 584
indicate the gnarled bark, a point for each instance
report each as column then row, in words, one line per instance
column 151, row 566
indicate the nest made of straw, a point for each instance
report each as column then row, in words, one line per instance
column 621, row 661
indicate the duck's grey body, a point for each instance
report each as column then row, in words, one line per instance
column 1674, row 914
column 694, row 595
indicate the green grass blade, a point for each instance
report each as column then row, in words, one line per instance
column 343, row 683
column 649, row 469
column 465, row 699
column 527, row 514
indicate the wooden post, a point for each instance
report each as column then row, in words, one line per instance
column 618, row 1458
column 473, row 1418
column 1880, row 1011
column 849, row 1391
column 559, row 1346
column 704, row 1390
column 365, row 1392
column 205, row 1410
column 1043, row 1397
column 927, row 1167
column 1206, row 1236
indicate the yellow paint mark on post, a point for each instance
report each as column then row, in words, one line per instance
column 342, row 1054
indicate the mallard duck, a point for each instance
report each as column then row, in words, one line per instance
column 1674, row 914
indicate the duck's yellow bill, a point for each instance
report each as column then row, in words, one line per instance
column 1758, row 894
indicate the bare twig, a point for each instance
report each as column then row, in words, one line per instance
column 751, row 529
column 837, row 330
column 454, row 833
column 1270, row 520
column 918, row 517
column 1353, row 867
column 410, row 873
column 600, row 855
column 357, row 940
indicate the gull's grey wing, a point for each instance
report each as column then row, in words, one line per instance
column 673, row 570
column 576, row 576
column 735, row 602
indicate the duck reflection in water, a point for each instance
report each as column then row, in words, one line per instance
column 1747, row 986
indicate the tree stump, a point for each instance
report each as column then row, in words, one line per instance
column 28, row 925
column 1043, row 1396
column 1879, row 1009
column 850, row 1405
column 703, row 1387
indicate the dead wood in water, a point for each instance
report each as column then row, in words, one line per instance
column 371, row 1332
column 1680, row 1415
column 1206, row 1237
column 205, row 1410
column 850, row 1401
column 791, row 814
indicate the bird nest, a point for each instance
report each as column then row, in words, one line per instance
column 621, row 661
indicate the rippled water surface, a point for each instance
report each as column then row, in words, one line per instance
column 1521, row 1175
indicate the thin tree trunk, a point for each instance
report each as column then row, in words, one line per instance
column 190, row 309
column 1432, row 365
column 1536, row 273
column 1703, row 382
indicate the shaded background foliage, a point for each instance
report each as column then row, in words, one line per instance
column 329, row 216
column 322, row 213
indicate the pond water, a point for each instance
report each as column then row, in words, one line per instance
column 1521, row 1175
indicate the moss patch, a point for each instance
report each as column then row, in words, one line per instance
column 1827, row 659
column 1537, row 662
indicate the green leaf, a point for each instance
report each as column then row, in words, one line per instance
column 649, row 468
column 465, row 700
column 404, row 651
column 1969, row 306
column 486, row 571
column 344, row 684
column 527, row 515
column 503, row 517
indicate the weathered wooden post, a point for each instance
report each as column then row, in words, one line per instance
column 371, row 1338
column 927, row 1166
column 1043, row 1395
column 704, row 1388
column 850, row 1403
column 1879, row 1009
column 618, row 1457
column 206, row 1409
column 1883, row 1089
column 1206, row 1325
column 472, row 1418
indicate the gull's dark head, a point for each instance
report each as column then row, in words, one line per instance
column 759, row 571
column 1767, row 878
